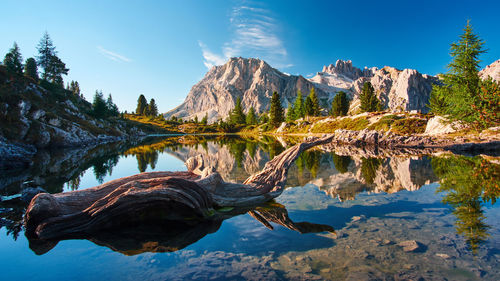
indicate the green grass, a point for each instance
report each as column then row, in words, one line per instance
column 409, row 126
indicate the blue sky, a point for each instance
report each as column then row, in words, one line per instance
column 162, row 48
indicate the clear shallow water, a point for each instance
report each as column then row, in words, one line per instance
column 372, row 203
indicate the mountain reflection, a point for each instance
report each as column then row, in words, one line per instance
column 468, row 183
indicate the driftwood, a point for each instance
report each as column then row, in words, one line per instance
column 191, row 197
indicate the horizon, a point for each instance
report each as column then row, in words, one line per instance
column 127, row 50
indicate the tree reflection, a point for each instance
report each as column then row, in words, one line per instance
column 103, row 166
column 369, row 167
column 469, row 183
column 341, row 162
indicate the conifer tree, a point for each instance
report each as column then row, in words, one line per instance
column 236, row 116
column 276, row 111
column 142, row 104
column 74, row 87
column 30, row 69
column 459, row 96
column 204, row 120
column 308, row 107
column 152, row 108
column 315, row 103
column 13, row 60
column 111, row 108
column 251, row 118
column 298, row 107
column 99, row 108
column 340, row 104
column 369, row 101
column 53, row 67
column 290, row 113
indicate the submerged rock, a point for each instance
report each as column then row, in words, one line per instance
column 409, row 246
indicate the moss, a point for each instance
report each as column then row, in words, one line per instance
column 346, row 123
column 385, row 123
column 409, row 126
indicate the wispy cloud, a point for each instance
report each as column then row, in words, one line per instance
column 254, row 33
column 112, row 55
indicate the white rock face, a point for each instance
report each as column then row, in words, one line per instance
column 252, row 80
column 438, row 125
column 399, row 90
column 492, row 70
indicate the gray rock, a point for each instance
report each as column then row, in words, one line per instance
column 409, row 246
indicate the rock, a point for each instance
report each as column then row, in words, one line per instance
column 30, row 192
column 282, row 127
column 438, row 125
column 444, row 256
column 252, row 80
column 492, row 70
column 409, row 246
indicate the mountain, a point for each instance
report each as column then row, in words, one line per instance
column 398, row 90
column 252, row 80
column 492, row 70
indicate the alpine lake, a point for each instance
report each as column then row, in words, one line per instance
column 346, row 214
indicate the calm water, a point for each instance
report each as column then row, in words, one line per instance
column 373, row 203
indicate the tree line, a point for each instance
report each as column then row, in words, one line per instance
column 52, row 68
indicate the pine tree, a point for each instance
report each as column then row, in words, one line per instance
column 74, row 87
column 46, row 51
column 251, row 118
column 236, row 116
column 290, row 113
column 308, row 107
column 55, row 70
column 99, row 108
column 204, row 120
column 459, row 97
column 30, row 69
column 340, row 104
column 315, row 103
column 369, row 101
column 111, row 108
column 152, row 108
column 276, row 111
column 13, row 60
column 298, row 107
column 142, row 104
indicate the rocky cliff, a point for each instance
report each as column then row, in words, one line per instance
column 34, row 116
column 492, row 70
column 399, row 90
column 252, row 80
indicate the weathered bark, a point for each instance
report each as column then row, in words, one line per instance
column 190, row 197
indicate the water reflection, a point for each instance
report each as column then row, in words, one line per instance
column 469, row 184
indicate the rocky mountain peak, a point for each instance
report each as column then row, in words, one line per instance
column 346, row 69
column 492, row 70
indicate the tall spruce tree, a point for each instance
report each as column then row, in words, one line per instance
column 142, row 104
column 111, row 107
column 340, row 104
column 459, row 96
column 46, row 51
column 30, row 69
column 315, row 102
column 369, row 101
column 99, row 108
column 290, row 113
column 251, row 118
column 236, row 116
column 153, row 108
column 276, row 111
column 13, row 60
column 298, row 106
column 204, row 120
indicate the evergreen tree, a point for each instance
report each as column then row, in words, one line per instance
column 290, row 113
column 298, row 107
column 204, row 120
column 276, row 111
column 315, row 102
column 236, row 116
column 99, row 108
column 340, row 104
column 13, row 60
column 152, row 108
column 251, row 118
column 369, row 101
column 55, row 70
column 142, row 104
column 74, row 87
column 111, row 108
column 308, row 107
column 458, row 97
column 30, row 69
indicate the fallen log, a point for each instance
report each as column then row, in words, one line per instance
column 191, row 197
